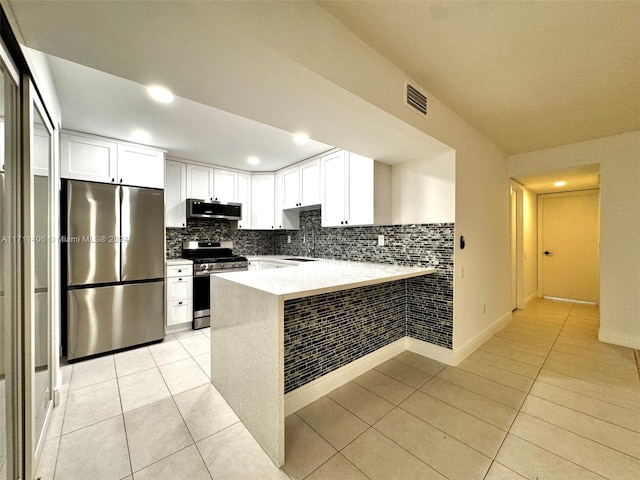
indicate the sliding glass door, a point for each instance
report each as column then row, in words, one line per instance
column 38, row 282
column 11, row 426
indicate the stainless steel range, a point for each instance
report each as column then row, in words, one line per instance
column 209, row 258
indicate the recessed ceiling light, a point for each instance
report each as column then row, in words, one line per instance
column 160, row 94
column 561, row 183
column 141, row 136
column 301, row 138
column 253, row 160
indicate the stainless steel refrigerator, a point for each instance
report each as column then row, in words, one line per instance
column 113, row 238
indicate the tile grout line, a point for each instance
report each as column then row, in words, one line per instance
column 525, row 398
column 124, row 423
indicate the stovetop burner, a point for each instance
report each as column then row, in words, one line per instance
column 209, row 256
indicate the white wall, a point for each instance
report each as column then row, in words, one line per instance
column 424, row 191
column 619, row 159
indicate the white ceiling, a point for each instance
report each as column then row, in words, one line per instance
column 96, row 102
column 578, row 178
column 528, row 75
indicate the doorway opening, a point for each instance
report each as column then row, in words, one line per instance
column 569, row 200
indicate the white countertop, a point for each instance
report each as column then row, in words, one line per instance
column 320, row 276
column 179, row 261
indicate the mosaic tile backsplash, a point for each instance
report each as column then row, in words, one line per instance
column 429, row 309
column 325, row 332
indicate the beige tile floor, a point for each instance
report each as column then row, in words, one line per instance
column 541, row 399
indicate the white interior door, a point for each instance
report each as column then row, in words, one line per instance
column 569, row 245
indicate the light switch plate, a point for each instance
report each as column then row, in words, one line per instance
column 288, row 238
column 381, row 240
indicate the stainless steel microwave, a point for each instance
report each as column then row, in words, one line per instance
column 213, row 209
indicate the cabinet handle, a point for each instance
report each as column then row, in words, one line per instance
column 183, row 224
column 113, row 180
column 179, row 279
column 120, row 180
column 179, row 270
column 346, row 222
column 341, row 222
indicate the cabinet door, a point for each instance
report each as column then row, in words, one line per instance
column 225, row 185
column 334, row 177
column 180, row 311
column 199, row 182
column 262, row 206
column 175, row 194
column 290, row 189
column 83, row 158
column 179, row 288
column 244, row 197
column 140, row 166
column 360, row 198
column 310, row 183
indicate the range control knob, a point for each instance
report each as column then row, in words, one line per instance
column 204, row 267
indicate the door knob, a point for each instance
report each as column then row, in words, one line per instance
column 548, row 253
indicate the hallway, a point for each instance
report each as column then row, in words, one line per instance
column 541, row 399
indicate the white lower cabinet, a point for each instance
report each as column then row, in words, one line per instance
column 179, row 285
column 180, row 311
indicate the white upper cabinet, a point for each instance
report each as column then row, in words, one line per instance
column 140, row 166
column 356, row 190
column 175, row 194
column 310, row 183
column 301, row 185
column 360, row 190
column 199, row 182
column 334, row 188
column 208, row 183
column 263, row 201
column 225, row 185
column 289, row 188
column 244, row 197
column 83, row 157
column 284, row 219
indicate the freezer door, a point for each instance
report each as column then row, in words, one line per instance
column 142, row 233
column 93, row 228
column 102, row 319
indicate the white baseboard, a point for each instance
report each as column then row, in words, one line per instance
column 462, row 352
column 303, row 396
column 617, row 339
column 531, row 298
column 429, row 350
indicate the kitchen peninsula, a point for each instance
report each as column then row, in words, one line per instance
column 275, row 331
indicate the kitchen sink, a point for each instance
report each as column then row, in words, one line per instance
column 296, row 259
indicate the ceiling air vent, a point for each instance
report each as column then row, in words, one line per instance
column 415, row 99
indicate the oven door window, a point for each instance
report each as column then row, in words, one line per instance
column 201, row 293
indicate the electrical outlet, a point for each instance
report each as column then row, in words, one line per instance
column 381, row 240
column 288, row 238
